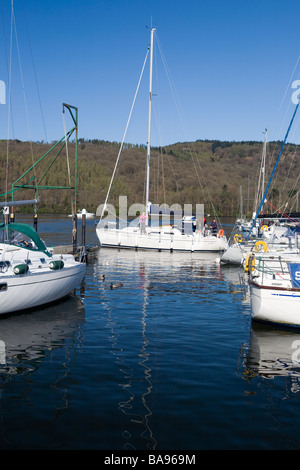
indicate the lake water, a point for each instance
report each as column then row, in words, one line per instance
column 168, row 361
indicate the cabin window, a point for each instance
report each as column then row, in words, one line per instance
column 4, row 264
column 3, row 286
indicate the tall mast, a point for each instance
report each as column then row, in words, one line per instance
column 274, row 169
column 264, row 164
column 261, row 181
column 149, row 128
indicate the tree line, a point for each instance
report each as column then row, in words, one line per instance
column 210, row 172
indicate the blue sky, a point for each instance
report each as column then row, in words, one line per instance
column 231, row 64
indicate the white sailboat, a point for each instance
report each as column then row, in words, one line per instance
column 30, row 275
column 275, row 289
column 276, row 238
column 275, row 280
column 161, row 238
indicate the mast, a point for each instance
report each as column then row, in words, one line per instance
column 261, row 180
column 149, row 128
column 241, row 204
column 264, row 164
column 274, row 169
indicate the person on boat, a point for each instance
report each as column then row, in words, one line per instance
column 205, row 228
column 143, row 222
column 214, row 227
column 199, row 227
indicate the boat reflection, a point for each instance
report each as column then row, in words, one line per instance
column 161, row 266
column 237, row 282
column 128, row 407
column 130, row 309
column 274, row 353
column 27, row 337
column 135, row 373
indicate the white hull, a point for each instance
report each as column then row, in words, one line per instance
column 34, row 289
column 277, row 239
column 280, row 306
column 30, row 275
column 236, row 253
column 275, row 289
column 159, row 240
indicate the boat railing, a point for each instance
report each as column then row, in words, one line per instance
column 270, row 266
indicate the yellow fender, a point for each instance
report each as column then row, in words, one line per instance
column 265, row 227
column 238, row 238
column 247, row 261
column 258, row 244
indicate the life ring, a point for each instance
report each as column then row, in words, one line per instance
column 221, row 233
column 260, row 243
column 238, row 238
column 247, row 261
column 265, row 227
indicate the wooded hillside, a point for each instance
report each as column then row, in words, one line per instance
column 209, row 172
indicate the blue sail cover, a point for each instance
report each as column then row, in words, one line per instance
column 294, row 269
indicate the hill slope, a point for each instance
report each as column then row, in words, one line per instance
column 209, row 172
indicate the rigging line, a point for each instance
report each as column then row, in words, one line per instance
column 289, row 169
column 160, row 156
column 9, row 94
column 175, row 178
column 285, row 117
column 158, row 126
column 67, row 154
column 34, row 71
column 288, row 86
column 157, row 120
column 274, row 169
column 6, row 58
column 172, row 87
column 163, row 176
column 271, row 165
column 125, row 132
column 286, row 216
column 277, row 176
column 271, row 160
column 24, row 94
column 262, row 169
column 294, row 200
column 180, row 114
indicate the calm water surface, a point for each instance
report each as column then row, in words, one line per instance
column 168, row 361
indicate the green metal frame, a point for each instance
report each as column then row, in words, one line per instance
column 62, row 142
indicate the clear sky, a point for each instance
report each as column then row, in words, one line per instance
column 231, row 63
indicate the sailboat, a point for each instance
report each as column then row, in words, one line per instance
column 30, row 274
column 274, row 278
column 274, row 238
column 170, row 237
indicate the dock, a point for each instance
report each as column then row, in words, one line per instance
column 90, row 251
